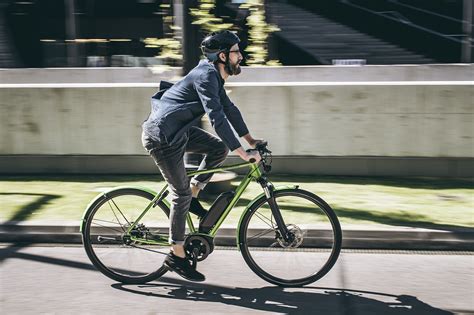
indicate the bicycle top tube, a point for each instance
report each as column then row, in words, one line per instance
column 219, row 169
column 261, row 148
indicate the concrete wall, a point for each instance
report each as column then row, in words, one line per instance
column 436, row 72
column 324, row 120
column 98, row 120
column 340, row 121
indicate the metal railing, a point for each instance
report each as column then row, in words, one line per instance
column 398, row 17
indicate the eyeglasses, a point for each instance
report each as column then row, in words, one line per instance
column 235, row 51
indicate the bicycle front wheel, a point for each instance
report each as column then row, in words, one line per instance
column 313, row 247
column 127, row 255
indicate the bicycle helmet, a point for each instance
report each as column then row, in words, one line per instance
column 218, row 42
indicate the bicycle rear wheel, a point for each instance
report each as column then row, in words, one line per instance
column 313, row 250
column 121, row 256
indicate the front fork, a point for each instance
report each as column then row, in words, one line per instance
column 268, row 188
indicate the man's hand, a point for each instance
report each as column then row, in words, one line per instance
column 247, row 156
column 254, row 155
column 252, row 141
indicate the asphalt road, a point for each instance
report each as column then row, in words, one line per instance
column 61, row 280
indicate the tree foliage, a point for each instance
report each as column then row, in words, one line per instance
column 169, row 45
column 203, row 16
column 259, row 31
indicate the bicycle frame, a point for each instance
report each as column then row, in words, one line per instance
column 253, row 173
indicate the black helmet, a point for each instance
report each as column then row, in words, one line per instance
column 218, row 42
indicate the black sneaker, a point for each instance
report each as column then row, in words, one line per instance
column 197, row 208
column 182, row 267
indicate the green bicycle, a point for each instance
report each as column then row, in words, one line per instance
column 128, row 242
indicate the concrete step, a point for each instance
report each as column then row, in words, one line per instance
column 313, row 32
column 356, row 237
column 8, row 59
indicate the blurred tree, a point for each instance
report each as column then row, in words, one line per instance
column 204, row 17
column 169, row 45
column 259, row 31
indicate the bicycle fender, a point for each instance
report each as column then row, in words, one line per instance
column 103, row 194
column 251, row 203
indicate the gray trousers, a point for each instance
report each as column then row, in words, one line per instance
column 170, row 161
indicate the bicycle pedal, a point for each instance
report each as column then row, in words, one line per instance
column 195, row 255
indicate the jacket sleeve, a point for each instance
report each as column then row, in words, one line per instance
column 207, row 88
column 233, row 114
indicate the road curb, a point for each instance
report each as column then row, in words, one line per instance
column 355, row 238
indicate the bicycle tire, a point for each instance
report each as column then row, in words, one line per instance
column 249, row 258
column 89, row 245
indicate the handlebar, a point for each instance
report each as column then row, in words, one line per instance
column 262, row 147
column 262, row 150
column 265, row 154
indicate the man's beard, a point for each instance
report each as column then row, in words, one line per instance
column 232, row 69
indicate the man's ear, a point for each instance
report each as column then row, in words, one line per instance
column 223, row 59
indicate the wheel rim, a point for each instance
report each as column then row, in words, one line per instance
column 310, row 253
column 113, row 250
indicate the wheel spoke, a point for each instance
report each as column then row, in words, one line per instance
column 116, row 217
column 258, row 235
column 259, row 215
column 148, row 249
column 107, row 221
column 108, row 227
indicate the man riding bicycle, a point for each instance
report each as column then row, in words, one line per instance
column 171, row 130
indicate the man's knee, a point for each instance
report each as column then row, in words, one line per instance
column 185, row 192
column 221, row 151
column 182, row 195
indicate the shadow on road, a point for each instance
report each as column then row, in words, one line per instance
column 306, row 300
column 313, row 300
column 25, row 212
column 23, row 215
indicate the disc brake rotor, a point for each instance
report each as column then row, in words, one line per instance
column 297, row 237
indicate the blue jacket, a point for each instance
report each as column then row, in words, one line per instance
column 181, row 106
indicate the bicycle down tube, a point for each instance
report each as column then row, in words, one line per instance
column 254, row 172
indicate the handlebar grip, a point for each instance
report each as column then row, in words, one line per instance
column 252, row 160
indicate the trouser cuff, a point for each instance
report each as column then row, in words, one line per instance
column 198, row 184
column 175, row 242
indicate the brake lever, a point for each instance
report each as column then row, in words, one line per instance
column 262, row 145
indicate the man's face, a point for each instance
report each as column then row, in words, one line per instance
column 235, row 57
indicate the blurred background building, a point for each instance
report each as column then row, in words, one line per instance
column 82, row 33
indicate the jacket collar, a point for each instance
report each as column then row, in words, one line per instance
column 207, row 63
